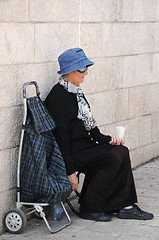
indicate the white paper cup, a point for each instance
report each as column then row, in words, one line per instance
column 120, row 132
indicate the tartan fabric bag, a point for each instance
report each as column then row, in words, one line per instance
column 43, row 175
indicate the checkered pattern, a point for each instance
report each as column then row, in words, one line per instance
column 43, row 176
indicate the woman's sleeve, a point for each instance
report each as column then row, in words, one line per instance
column 58, row 110
column 104, row 138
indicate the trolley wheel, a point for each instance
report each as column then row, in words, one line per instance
column 14, row 220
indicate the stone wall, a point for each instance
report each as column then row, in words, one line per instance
column 120, row 36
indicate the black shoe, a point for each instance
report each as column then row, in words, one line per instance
column 100, row 217
column 134, row 213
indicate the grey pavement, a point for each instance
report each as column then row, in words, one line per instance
column 147, row 184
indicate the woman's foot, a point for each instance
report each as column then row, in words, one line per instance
column 134, row 213
column 100, row 217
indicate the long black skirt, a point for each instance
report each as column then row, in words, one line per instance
column 109, row 183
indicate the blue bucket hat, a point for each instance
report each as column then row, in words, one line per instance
column 73, row 59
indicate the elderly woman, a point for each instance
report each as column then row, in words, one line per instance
column 109, row 185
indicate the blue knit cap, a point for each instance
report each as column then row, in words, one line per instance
column 73, row 59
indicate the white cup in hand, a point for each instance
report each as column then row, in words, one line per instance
column 120, row 132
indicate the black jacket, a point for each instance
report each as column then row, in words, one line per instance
column 75, row 142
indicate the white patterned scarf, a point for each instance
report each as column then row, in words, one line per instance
column 84, row 111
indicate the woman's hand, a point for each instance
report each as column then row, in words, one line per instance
column 117, row 141
column 73, row 181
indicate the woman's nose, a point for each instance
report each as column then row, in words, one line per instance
column 86, row 72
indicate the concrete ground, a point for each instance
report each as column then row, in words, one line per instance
column 147, row 184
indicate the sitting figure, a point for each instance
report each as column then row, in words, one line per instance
column 109, row 184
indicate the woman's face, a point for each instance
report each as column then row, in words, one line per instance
column 75, row 77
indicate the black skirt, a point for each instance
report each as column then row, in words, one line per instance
column 109, row 183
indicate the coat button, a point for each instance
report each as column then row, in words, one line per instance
column 91, row 139
column 89, row 133
column 97, row 142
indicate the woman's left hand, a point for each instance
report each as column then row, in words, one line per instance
column 117, row 141
column 73, row 181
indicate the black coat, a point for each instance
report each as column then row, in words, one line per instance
column 76, row 143
column 109, row 183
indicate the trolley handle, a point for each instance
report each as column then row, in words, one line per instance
column 31, row 83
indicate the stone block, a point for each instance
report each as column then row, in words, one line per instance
column 118, row 39
column 5, row 169
column 106, row 74
column 151, row 151
column 11, row 123
column 14, row 11
column 157, row 11
column 137, row 156
column 17, row 43
column 144, row 130
column 136, row 11
column 14, row 154
column 155, row 68
column 8, row 170
column 131, row 133
column 102, row 107
column 108, row 40
column 155, row 127
column 154, row 37
column 92, row 11
column 144, row 153
column 109, row 10
column 8, row 83
column 91, row 39
column 141, row 38
column 54, row 11
column 137, row 70
column 129, row 38
column 108, row 129
column 113, row 33
column 154, row 97
column 121, row 11
column 139, row 101
column 52, row 39
column 103, row 75
column 120, row 105
column 118, row 72
column 7, row 201
column 44, row 74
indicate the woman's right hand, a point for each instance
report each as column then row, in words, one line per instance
column 73, row 181
column 116, row 141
